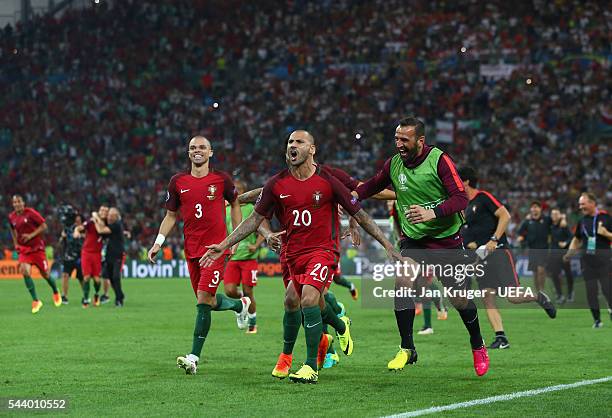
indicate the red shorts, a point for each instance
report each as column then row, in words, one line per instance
column 91, row 264
column 205, row 279
column 38, row 259
column 315, row 269
column 241, row 271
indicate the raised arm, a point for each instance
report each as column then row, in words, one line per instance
column 375, row 184
column 164, row 229
column 101, row 227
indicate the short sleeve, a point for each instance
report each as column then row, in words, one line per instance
column 265, row 203
column 36, row 217
column 491, row 203
column 229, row 190
column 173, row 201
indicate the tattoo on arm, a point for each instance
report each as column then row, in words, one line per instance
column 250, row 196
column 371, row 228
column 246, row 227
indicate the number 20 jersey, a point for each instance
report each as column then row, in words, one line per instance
column 307, row 209
column 201, row 202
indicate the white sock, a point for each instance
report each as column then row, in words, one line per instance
column 253, row 315
column 193, row 357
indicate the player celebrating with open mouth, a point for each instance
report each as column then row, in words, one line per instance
column 306, row 197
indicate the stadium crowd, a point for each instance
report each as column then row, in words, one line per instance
column 97, row 105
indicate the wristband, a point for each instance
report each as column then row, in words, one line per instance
column 160, row 239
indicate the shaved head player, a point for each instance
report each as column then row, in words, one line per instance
column 305, row 198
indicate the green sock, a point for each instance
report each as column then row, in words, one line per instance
column 97, row 286
column 30, row 286
column 313, row 327
column 225, row 303
column 86, row 289
column 427, row 314
column 330, row 349
column 331, row 300
column 341, row 281
column 202, row 326
column 51, row 282
column 252, row 319
column 332, row 319
column 291, row 327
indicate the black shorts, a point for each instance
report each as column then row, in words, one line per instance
column 498, row 271
column 71, row 265
column 449, row 265
column 537, row 258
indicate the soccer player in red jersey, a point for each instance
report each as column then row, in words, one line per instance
column 305, row 197
column 333, row 313
column 27, row 227
column 200, row 195
column 91, row 254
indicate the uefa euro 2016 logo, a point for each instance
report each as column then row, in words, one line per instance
column 316, row 199
column 211, row 190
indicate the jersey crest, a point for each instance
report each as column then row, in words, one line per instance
column 211, row 192
column 317, row 197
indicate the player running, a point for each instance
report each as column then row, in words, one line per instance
column 333, row 313
column 487, row 220
column 200, row 195
column 91, row 254
column 430, row 198
column 305, row 197
column 27, row 227
column 242, row 265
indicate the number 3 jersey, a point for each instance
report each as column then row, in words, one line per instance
column 201, row 202
column 307, row 209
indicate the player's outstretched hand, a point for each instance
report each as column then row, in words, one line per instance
column 153, row 253
column 214, row 252
column 274, row 241
column 417, row 214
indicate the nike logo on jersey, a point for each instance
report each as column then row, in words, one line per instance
column 282, row 196
column 313, row 325
column 184, row 191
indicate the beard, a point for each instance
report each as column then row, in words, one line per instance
column 410, row 154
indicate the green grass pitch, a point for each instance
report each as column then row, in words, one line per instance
column 121, row 362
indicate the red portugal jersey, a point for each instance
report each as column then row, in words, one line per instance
column 307, row 210
column 201, row 202
column 93, row 241
column 26, row 223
